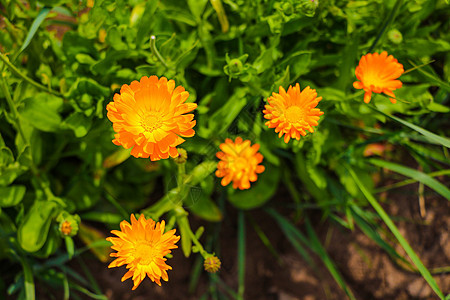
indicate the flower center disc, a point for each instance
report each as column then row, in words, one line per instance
column 240, row 163
column 294, row 114
column 144, row 253
column 151, row 122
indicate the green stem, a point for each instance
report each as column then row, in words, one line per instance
column 26, row 78
column 386, row 24
column 12, row 106
column 156, row 52
column 197, row 243
column 4, row 87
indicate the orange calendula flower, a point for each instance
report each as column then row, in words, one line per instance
column 293, row 112
column 378, row 73
column 142, row 247
column 149, row 115
column 239, row 163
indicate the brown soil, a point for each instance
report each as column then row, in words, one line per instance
column 367, row 269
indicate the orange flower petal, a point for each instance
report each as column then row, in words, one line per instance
column 378, row 73
column 142, row 247
column 292, row 112
column 149, row 116
column 239, row 162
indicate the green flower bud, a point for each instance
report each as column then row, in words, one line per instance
column 182, row 157
column 395, row 36
column 307, row 7
column 68, row 224
column 235, row 66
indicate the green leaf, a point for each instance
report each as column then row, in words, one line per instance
column 41, row 111
column 387, row 220
column 102, row 217
column 414, row 174
column 87, row 86
column 260, row 192
column 223, row 117
column 70, row 246
column 146, row 21
column 79, row 123
column 197, row 7
column 11, row 195
column 34, row 27
column 33, row 230
column 186, row 242
column 6, row 156
column 202, row 206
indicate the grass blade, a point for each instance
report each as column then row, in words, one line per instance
column 428, row 134
column 293, row 235
column 34, row 27
column 317, row 247
column 414, row 174
column 387, row 220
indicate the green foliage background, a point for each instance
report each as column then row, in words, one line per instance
column 56, row 153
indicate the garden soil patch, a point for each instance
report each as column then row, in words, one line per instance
column 368, row 270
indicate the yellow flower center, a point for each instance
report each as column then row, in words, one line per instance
column 144, row 252
column 374, row 79
column 294, row 114
column 151, row 122
column 240, row 163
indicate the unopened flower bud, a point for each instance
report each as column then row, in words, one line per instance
column 308, row 7
column 68, row 224
column 212, row 264
column 395, row 36
column 182, row 156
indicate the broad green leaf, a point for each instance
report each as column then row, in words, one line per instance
column 87, row 86
column 223, row 117
column 414, row 174
column 11, row 195
column 197, row 7
column 79, row 123
column 33, row 230
column 202, row 206
column 6, row 156
column 41, row 111
column 74, row 44
column 259, row 192
column 51, row 244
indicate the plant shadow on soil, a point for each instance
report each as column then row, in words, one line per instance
column 367, row 269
